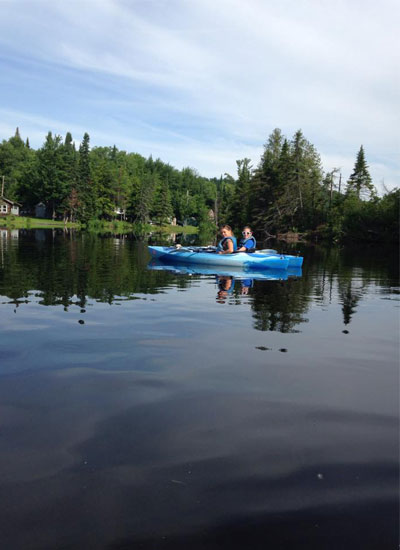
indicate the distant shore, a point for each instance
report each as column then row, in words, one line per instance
column 22, row 222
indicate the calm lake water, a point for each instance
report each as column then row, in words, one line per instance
column 142, row 408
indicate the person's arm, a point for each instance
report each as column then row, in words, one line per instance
column 245, row 247
column 230, row 248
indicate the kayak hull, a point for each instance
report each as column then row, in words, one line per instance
column 294, row 261
column 241, row 259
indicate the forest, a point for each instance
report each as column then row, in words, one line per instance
column 288, row 191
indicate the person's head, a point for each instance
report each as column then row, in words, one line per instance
column 247, row 232
column 226, row 231
column 224, row 285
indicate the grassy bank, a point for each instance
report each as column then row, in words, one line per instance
column 116, row 226
column 22, row 222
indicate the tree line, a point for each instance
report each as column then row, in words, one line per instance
column 287, row 191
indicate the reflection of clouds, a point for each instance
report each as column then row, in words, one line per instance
column 162, row 416
column 44, row 426
column 25, row 327
column 104, row 449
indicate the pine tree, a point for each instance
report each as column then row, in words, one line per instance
column 104, row 176
column 70, row 203
column 15, row 158
column 265, row 184
column 162, row 207
column 286, row 188
column 300, row 176
column 360, row 181
column 86, row 198
column 144, row 198
column 52, row 185
column 240, row 207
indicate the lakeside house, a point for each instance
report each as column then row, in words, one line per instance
column 8, row 206
column 120, row 212
column 40, row 210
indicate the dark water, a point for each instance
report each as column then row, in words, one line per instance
column 142, row 409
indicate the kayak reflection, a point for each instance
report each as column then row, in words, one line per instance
column 226, row 278
column 236, row 273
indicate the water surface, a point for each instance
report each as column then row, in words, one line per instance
column 151, row 409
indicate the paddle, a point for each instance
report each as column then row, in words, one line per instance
column 209, row 249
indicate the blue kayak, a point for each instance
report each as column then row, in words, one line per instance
column 294, row 261
column 206, row 256
column 221, row 271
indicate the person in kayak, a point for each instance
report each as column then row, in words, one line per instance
column 246, row 286
column 247, row 243
column 227, row 245
column 226, row 285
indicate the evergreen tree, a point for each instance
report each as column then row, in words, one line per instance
column 15, row 158
column 283, row 206
column 313, row 193
column 162, row 207
column 240, row 206
column 52, row 186
column 360, row 181
column 70, row 202
column 300, row 177
column 85, row 189
column 264, row 187
column 104, row 175
column 144, row 198
column 286, row 191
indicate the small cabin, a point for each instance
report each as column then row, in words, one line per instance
column 120, row 212
column 8, row 207
column 40, row 210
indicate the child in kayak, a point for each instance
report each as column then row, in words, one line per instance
column 227, row 244
column 247, row 243
column 225, row 288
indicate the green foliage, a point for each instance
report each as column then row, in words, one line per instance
column 360, row 181
column 145, row 197
column 16, row 163
column 286, row 191
column 239, row 210
column 373, row 220
column 52, row 186
column 86, row 202
column 69, row 203
column 162, row 207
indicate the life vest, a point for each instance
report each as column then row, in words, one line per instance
column 244, row 241
column 223, row 243
column 221, row 282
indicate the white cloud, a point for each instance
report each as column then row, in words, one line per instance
column 202, row 73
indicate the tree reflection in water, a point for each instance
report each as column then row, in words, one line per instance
column 68, row 268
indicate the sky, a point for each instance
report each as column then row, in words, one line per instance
column 202, row 83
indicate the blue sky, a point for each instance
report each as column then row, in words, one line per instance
column 202, row 83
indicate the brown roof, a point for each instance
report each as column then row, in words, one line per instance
column 10, row 201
